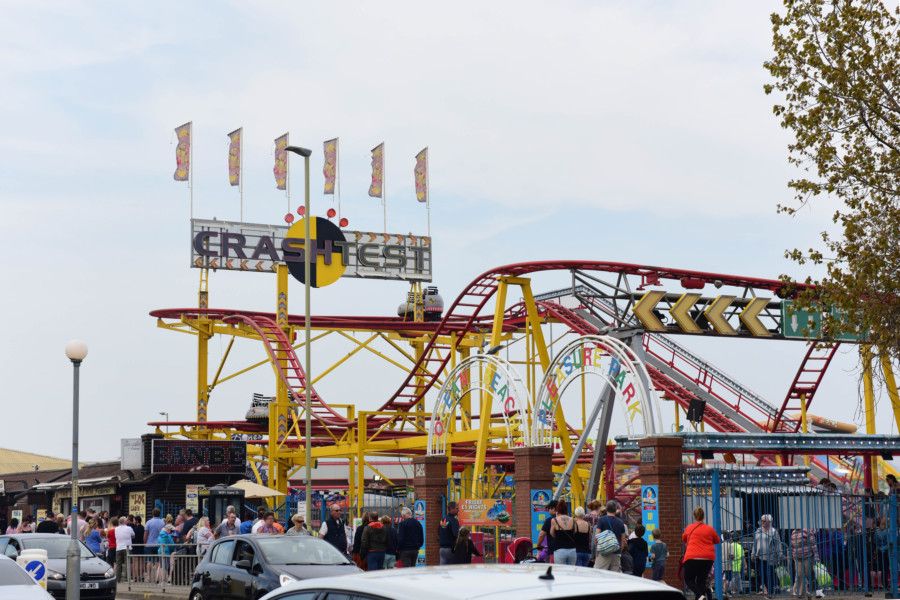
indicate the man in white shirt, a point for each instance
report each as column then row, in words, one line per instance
column 124, row 538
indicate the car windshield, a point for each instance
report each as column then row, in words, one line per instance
column 300, row 550
column 56, row 547
column 12, row 574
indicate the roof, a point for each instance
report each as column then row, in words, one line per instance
column 16, row 461
column 461, row 582
column 88, row 474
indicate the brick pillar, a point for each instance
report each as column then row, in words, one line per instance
column 430, row 482
column 661, row 465
column 534, row 471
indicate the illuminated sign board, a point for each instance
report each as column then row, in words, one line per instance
column 235, row 246
column 206, row 456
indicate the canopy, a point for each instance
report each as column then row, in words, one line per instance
column 254, row 490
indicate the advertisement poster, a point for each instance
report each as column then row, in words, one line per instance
column 649, row 510
column 137, row 504
column 487, row 512
column 419, row 514
column 539, row 512
column 192, row 495
column 17, row 514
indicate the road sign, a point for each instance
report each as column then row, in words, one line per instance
column 37, row 570
column 800, row 323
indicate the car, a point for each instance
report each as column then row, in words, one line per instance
column 98, row 578
column 16, row 584
column 535, row 581
column 249, row 566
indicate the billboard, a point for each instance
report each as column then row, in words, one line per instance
column 487, row 512
column 200, row 456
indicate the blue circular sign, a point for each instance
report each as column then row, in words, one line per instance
column 36, row 569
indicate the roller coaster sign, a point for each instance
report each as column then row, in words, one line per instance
column 256, row 247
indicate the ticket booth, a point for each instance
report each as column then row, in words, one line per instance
column 221, row 497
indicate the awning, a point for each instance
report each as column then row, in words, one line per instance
column 58, row 485
column 254, row 490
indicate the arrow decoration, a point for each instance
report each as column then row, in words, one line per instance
column 643, row 310
column 715, row 314
column 679, row 312
column 749, row 317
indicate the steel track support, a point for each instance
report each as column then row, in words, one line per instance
column 869, row 399
column 278, row 414
column 203, row 336
column 891, row 384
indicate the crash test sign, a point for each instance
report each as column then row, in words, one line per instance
column 485, row 512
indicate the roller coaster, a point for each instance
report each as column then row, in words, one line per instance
column 629, row 315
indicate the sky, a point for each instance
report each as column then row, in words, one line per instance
column 628, row 131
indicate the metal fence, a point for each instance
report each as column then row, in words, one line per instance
column 147, row 568
column 782, row 535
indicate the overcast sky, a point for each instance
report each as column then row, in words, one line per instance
column 631, row 131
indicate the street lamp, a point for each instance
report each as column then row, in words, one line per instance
column 305, row 153
column 76, row 351
column 164, row 414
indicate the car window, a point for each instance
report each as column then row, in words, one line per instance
column 221, row 553
column 56, row 546
column 244, row 551
column 299, row 550
column 13, row 574
column 349, row 596
column 307, row 595
column 11, row 551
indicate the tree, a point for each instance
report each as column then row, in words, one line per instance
column 836, row 69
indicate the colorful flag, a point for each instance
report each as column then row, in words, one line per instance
column 183, row 152
column 375, row 190
column 234, row 156
column 281, row 164
column 330, row 168
column 421, row 172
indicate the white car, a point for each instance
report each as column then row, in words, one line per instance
column 16, row 584
column 497, row 582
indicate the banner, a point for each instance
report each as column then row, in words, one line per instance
column 421, row 173
column 234, row 156
column 649, row 512
column 137, row 504
column 183, row 152
column 192, row 497
column 376, row 188
column 419, row 512
column 487, row 512
column 330, row 168
column 539, row 512
column 281, row 166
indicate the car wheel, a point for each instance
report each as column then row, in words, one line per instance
column 197, row 595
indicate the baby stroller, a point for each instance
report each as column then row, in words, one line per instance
column 520, row 551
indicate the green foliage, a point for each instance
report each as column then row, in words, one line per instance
column 836, row 72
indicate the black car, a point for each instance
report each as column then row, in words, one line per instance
column 247, row 567
column 98, row 578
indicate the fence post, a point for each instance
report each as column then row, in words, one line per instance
column 892, row 548
column 660, row 464
column 717, row 525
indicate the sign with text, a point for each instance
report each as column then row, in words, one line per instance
column 207, row 456
column 488, row 512
column 649, row 511
column 419, row 509
column 132, row 453
column 539, row 512
column 137, row 504
column 258, row 247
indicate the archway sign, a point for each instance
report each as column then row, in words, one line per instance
column 492, row 376
column 617, row 364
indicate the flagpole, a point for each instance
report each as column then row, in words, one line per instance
column 427, row 191
column 287, row 172
column 384, row 182
column 337, row 174
column 241, row 172
column 191, row 166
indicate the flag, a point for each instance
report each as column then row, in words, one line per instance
column 375, row 190
column 330, row 168
column 421, row 173
column 234, row 156
column 281, row 164
column 183, row 152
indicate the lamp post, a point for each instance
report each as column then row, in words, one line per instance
column 305, row 153
column 76, row 351
column 166, row 415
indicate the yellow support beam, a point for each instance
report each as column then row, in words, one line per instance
column 891, row 384
column 869, row 400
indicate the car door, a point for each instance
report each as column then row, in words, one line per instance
column 239, row 583
column 218, row 567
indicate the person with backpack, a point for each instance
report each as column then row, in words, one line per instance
column 805, row 555
column 699, row 555
column 562, row 530
column 610, row 540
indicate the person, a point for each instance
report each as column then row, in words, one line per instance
column 229, row 527
column 374, row 543
column 593, row 513
column 893, row 486
column 766, row 554
column 203, row 535
column 48, row 525
column 448, row 533
column 732, row 564
column 805, row 555
column 165, row 547
column 334, row 529
column 137, row 525
column 562, row 530
column 111, row 546
column 409, row 539
column 267, row 525
column 583, row 529
column 390, row 552
column 94, row 540
column 245, row 526
column 179, row 523
column 612, row 560
column 638, row 549
column 464, row 549
column 881, row 559
column 13, row 527
column 659, row 552
column 545, row 540
column 187, row 527
column 151, row 532
column 298, row 527
column 358, row 557
column 80, row 524
column 60, row 524
column 699, row 555
column 260, row 519
column 27, row 525
column 124, row 537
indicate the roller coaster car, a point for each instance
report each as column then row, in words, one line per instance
column 259, row 408
column 433, row 305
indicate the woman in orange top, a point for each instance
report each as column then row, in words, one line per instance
column 699, row 555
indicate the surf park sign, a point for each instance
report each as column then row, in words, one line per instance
column 257, row 247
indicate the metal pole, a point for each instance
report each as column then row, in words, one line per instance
column 306, row 327
column 717, row 525
column 73, row 554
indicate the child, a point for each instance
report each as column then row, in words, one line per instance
column 637, row 548
column 733, row 564
column 464, row 548
column 658, row 553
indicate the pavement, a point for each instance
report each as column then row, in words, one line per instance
column 169, row 594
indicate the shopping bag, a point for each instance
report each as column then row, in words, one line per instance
column 823, row 577
column 783, row 577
